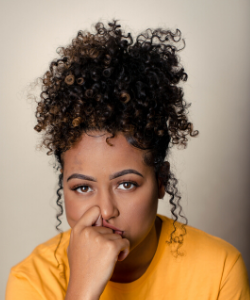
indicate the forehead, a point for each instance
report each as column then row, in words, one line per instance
column 93, row 152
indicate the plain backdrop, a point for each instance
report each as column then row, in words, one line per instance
column 213, row 171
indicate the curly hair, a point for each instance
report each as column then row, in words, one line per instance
column 107, row 81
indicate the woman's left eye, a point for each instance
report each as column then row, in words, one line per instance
column 127, row 185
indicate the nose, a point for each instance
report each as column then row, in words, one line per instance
column 108, row 206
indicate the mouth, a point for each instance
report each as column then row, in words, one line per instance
column 115, row 230
column 118, row 232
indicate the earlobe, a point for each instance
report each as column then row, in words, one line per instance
column 163, row 178
column 161, row 191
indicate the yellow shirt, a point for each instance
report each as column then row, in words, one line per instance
column 208, row 269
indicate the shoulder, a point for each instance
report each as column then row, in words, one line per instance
column 43, row 272
column 210, row 249
column 206, row 261
column 210, row 259
column 199, row 242
column 221, row 261
column 45, row 253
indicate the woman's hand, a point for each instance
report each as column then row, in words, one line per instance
column 93, row 252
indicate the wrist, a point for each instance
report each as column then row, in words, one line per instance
column 74, row 293
column 75, row 296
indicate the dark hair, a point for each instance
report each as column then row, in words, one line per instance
column 107, row 81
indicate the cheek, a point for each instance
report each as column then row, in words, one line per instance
column 74, row 209
column 144, row 210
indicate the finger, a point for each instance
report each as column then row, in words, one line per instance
column 122, row 255
column 91, row 217
column 124, row 250
column 98, row 221
column 113, row 236
column 103, row 230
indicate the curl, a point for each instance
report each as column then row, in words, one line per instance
column 176, row 212
column 59, row 214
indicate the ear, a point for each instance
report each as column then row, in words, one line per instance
column 162, row 178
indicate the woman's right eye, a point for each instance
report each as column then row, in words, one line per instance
column 83, row 189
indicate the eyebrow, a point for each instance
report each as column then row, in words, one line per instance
column 113, row 176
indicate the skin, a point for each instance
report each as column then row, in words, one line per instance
column 128, row 202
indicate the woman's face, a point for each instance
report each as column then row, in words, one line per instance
column 116, row 179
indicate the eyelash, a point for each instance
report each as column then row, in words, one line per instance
column 123, row 182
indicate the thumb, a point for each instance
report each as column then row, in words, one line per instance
column 98, row 221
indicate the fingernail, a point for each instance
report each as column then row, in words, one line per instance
column 99, row 221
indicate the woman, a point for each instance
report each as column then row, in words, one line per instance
column 110, row 109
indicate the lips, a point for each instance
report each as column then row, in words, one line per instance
column 107, row 225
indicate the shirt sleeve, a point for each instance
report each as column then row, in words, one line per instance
column 20, row 288
column 235, row 286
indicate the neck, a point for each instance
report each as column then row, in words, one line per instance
column 138, row 260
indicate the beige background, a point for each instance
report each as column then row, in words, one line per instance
column 214, row 169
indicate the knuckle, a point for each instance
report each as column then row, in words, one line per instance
column 74, row 231
column 77, row 228
column 99, row 239
column 87, row 232
column 127, row 242
column 111, row 246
